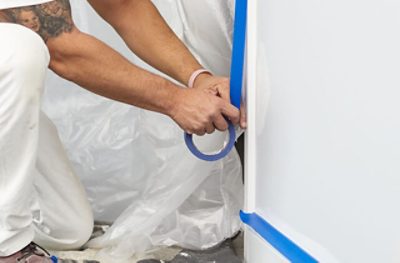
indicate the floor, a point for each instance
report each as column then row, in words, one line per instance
column 162, row 255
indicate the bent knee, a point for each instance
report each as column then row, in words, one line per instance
column 80, row 235
column 71, row 236
column 78, row 231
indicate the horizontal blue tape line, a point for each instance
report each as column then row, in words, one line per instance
column 279, row 241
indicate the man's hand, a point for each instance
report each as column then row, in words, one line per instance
column 200, row 111
column 219, row 86
column 145, row 32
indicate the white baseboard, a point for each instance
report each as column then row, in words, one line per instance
column 257, row 250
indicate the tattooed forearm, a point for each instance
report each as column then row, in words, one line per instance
column 4, row 17
column 49, row 20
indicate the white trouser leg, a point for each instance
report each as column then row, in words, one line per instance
column 62, row 216
column 40, row 197
column 23, row 65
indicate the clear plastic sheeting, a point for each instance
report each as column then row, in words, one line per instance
column 134, row 163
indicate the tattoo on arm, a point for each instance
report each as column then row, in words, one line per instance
column 49, row 20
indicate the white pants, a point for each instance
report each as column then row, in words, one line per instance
column 41, row 199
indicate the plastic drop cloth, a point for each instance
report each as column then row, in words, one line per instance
column 134, row 163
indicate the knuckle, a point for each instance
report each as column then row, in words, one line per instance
column 211, row 114
column 205, row 122
column 222, row 126
column 214, row 116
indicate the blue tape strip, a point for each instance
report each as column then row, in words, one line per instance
column 238, row 53
column 279, row 241
column 236, row 82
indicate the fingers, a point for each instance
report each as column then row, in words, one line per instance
column 200, row 112
column 231, row 112
column 213, row 92
column 210, row 128
column 219, row 116
column 224, row 90
column 220, row 123
column 200, row 131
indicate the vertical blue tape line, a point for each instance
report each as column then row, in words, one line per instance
column 279, row 241
column 238, row 53
column 236, row 81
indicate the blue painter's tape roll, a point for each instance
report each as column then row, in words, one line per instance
column 212, row 157
column 236, row 81
column 279, row 241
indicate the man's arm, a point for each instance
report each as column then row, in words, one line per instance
column 90, row 63
column 146, row 33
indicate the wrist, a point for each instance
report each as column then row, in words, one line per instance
column 175, row 92
column 197, row 77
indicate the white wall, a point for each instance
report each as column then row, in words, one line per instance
column 326, row 131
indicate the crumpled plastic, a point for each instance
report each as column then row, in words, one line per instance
column 222, row 253
column 133, row 163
